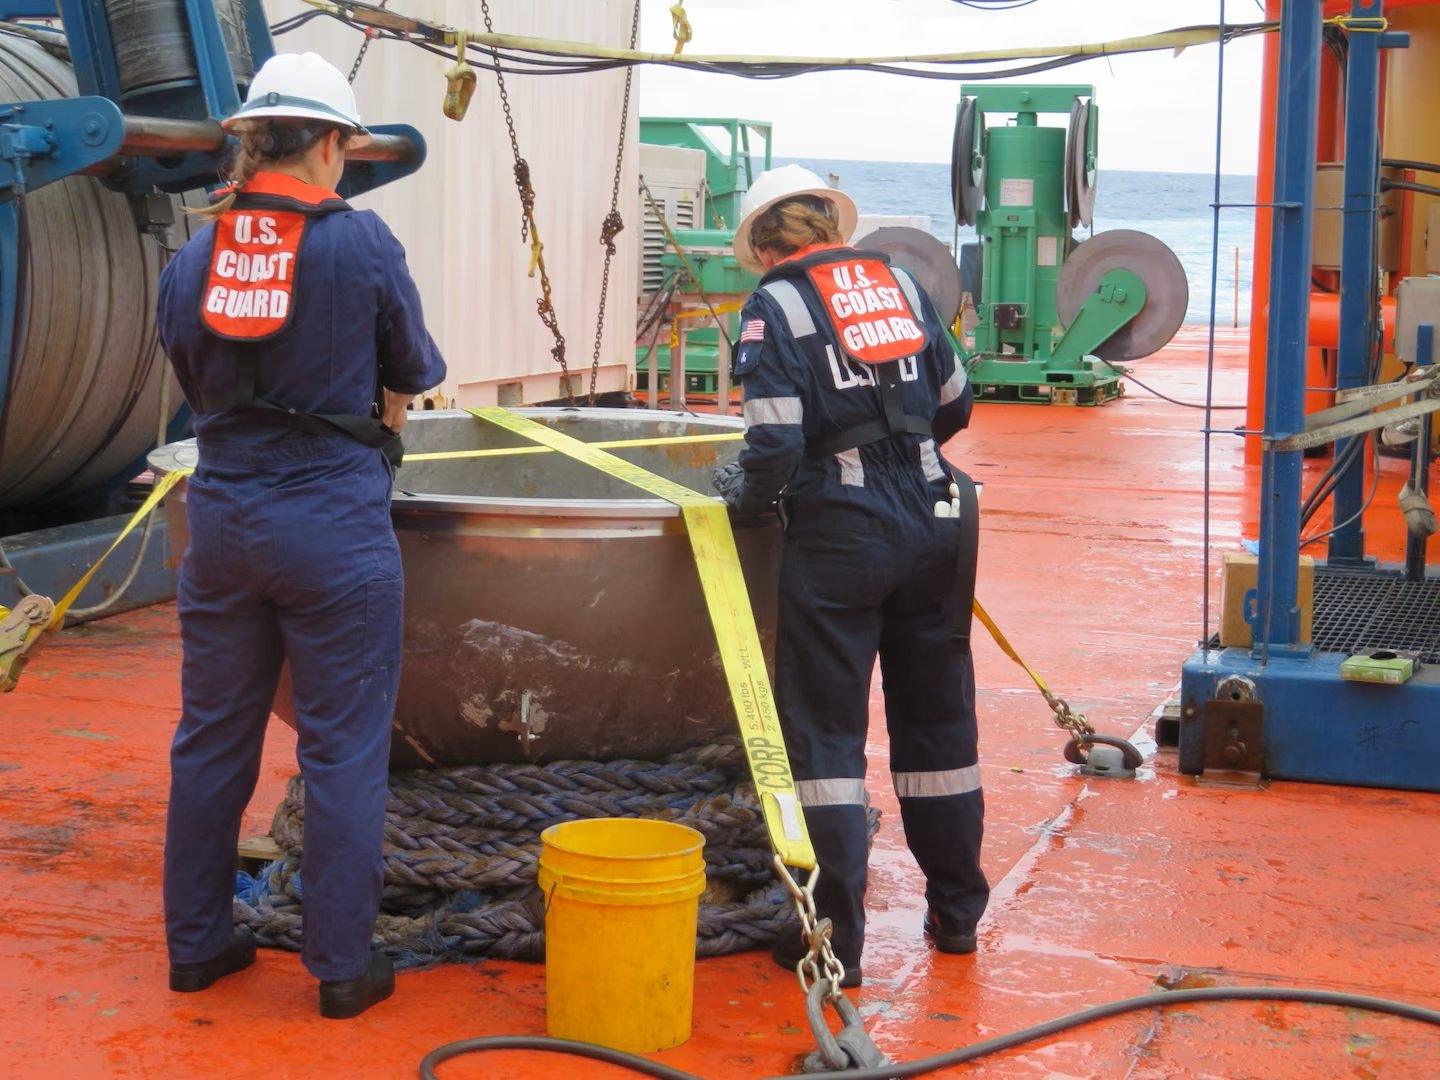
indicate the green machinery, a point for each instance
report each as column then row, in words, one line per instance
column 1056, row 318
column 736, row 151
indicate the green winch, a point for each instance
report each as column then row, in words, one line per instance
column 1055, row 318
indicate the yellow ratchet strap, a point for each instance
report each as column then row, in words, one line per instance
column 14, row 660
column 609, row 444
column 1008, row 649
column 159, row 491
column 708, row 522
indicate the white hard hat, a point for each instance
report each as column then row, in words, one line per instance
column 304, row 86
column 780, row 184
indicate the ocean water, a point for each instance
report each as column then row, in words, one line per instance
column 1172, row 206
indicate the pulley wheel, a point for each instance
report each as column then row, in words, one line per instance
column 1167, row 292
column 967, row 168
column 927, row 259
column 1079, row 171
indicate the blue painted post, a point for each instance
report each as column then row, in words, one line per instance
column 1298, row 89
column 1358, row 266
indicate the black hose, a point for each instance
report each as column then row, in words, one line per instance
column 1406, row 185
column 1406, row 163
column 1125, row 372
column 634, row 1062
column 973, row 1052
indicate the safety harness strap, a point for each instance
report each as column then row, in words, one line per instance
column 366, row 430
column 968, row 556
column 872, row 431
column 895, row 422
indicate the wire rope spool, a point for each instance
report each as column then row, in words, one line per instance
column 153, row 48
column 1080, row 168
column 82, row 397
column 967, row 163
column 1166, row 288
column 927, row 259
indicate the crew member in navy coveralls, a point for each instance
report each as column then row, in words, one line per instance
column 296, row 332
column 851, row 386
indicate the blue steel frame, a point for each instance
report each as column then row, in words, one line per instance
column 1317, row 726
column 1277, row 610
column 1359, row 288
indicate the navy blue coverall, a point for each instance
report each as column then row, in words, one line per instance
column 867, row 569
column 292, row 557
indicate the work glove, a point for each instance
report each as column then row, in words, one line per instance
column 729, row 481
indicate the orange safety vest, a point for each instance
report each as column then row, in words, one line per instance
column 250, row 291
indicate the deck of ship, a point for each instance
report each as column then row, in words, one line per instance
column 1092, row 562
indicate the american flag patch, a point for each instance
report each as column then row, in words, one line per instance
column 753, row 330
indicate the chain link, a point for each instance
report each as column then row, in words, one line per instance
column 545, row 305
column 370, row 34
column 819, row 961
column 613, row 224
column 1068, row 719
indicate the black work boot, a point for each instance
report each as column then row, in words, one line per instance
column 790, row 949
column 238, row 955
column 948, row 936
column 344, row 998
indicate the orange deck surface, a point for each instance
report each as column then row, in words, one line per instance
column 1092, row 562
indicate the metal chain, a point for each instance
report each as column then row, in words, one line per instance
column 545, row 305
column 613, row 224
column 1067, row 719
column 819, row 961
column 370, row 34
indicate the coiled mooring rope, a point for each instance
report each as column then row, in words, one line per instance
column 462, row 847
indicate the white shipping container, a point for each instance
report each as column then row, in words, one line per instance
column 459, row 216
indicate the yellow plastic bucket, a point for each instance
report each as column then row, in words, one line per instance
column 622, row 897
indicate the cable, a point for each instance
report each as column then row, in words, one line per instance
column 1325, row 486
column 994, row 5
column 1407, row 185
column 529, row 56
column 76, row 614
column 1165, row 397
column 1167, row 1000
column 1369, row 499
column 1406, row 163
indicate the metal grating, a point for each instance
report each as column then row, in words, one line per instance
column 1360, row 611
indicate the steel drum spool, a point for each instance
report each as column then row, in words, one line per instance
column 927, row 259
column 84, row 390
column 551, row 611
column 153, row 48
column 967, row 167
column 1080, row 174
column 1167, row 291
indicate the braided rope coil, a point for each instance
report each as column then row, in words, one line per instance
column 462, row 848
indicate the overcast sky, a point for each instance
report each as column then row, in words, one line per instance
column 1157, row 109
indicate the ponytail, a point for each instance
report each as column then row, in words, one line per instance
column 262, row 143
column 796, row 223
